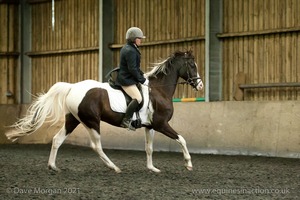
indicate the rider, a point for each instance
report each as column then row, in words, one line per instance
column 130, row 73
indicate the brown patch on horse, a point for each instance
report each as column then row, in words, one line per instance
column 95, row 107
column 70, row 123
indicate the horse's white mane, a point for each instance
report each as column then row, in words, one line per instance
column 159, row 67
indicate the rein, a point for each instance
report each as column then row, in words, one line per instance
column 188, row 81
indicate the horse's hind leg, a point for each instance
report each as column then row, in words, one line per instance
column 58, row 139
column 96, row 145
column 70, row 124
column 149, row 136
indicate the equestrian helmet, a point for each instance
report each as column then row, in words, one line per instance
column 133, row 33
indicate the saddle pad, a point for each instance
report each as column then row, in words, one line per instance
column 117, row 101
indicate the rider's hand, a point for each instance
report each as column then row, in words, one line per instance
column 146, row 82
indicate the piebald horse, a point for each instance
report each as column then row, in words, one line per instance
column 89, row 102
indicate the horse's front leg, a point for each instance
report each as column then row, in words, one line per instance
column 186, row 154
column 149, row 136
column 167, row 130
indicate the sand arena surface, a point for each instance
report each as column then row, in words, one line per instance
column 24, row 175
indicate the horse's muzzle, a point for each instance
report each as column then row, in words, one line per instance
column 196, row 83
column 199, row 85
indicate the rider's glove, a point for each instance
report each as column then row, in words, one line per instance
column 146, row 82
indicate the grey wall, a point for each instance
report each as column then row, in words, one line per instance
column 243, row 128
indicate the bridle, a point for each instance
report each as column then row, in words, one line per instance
column 190, row 80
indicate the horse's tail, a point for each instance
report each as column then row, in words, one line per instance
column 50, row 106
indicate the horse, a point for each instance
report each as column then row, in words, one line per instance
column 88, row 102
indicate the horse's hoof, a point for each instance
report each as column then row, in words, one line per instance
column 117, row 170
column 189, row 168
column 53, row 168
column 154, row 169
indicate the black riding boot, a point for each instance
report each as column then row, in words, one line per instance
column 126, row 122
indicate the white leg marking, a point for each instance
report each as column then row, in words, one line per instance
column 149, row 136
column 96, row 145
column 186, row 154
column 57, row 140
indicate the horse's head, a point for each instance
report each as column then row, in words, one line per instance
column 187, row 68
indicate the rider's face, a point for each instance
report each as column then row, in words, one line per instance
column 138, row 41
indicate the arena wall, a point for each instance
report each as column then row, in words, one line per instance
column 234, row 128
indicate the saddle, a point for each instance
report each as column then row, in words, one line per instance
column 111, row 76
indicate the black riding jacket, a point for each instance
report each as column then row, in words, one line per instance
column 130, row 72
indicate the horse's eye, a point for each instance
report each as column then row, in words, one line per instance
column 192, row 65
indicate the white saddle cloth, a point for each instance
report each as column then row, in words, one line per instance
column 117, row 102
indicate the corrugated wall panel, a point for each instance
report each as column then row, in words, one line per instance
column 69, row 52
column 263, row 39
column 9, row 52
column 163, row 21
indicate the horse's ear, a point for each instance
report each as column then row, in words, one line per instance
column 190, row 53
